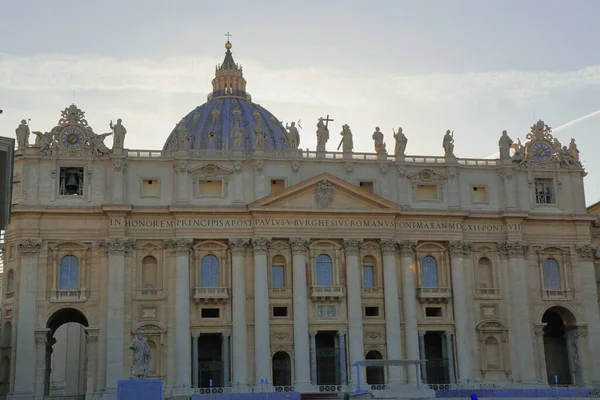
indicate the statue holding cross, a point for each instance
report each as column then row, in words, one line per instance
column 322, row 133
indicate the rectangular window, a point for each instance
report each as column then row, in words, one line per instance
column 368, row 276
column 544, row 191
column 427, row 192
column 277, row 186
column 433, row 311
column 371, row 311
column 479, row 194
column 280, row 312
column 277, row 276
column 150, row 188
column 210, row 187
column 71, row 181
column 366, row 186
column 210, row 312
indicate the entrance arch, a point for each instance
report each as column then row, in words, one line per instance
column 375, row 375
column 560, row 351
column 282, row 369
column 65, row 350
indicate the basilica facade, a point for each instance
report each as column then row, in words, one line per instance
column 248, row 263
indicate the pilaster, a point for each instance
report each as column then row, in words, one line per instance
column 91, row 350
column 409, row 305
column 354, row 297
column 262, row 348
column 239, row 325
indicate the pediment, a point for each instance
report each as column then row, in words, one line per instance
column 325, row 192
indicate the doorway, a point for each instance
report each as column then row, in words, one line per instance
column 328, row 360
column 282, row 369
column 210, row 362
column 375, row 375
column 555, row 347
column 437, row 364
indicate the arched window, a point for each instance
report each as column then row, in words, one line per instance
column 375, row 375
column 485, row 277
column 429, row 271
column 551, row 274
column 7, row 335
column 278, row 272
column 493, row 358
column 149, row 273
column 324, row 270
column 282, row 369
column 69, row 273
column 368, row 272
column 209, row 271
column 10, row 281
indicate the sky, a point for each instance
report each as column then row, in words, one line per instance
column 475, row 67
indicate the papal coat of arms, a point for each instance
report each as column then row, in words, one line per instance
column 324, row 194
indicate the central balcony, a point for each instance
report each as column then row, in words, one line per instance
column 327, row 293
column 211, row 294
column 435, row 294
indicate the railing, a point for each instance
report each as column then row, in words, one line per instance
column 208, row 294
column 461, row 386
column 372, row 291
column 284, row 389
column 78, row 397
column 552, row 294
column 436, row 291
column 381, row 386
column 280, row 292
column 149, row 292
column 329, row 388
column 327, row 292
column 487, row 292
column 310, row 154
column 69, row 295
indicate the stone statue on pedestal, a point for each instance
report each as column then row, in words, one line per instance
column 504, row 144
column 573, row 150
column 237, row 133
column 401, row 141
column 140, row 366
column 322, row 135
column 378, row 141
column 448, row 144
column 97, row 143
column 346, row 142
column 119, row 131
column 293, row 135
column 181, row 133
column 22, row 135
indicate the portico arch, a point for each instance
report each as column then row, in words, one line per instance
column 61, row 327
column 561, row 347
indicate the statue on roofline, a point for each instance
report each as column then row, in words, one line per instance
column 293, row 135
column 347, row 142
column 119, row 132
column 504, row 145
column 322, row 135
column 378, row 141
column 448, row 144
column 401, row 142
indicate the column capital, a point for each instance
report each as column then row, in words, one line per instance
column 260, row 244
column 117, row 245
column 226, row 334
column 459, row 248
column 180, row 246
column 512, row 249
column 407, row 247
column 351, row 246
column 120, row 165
column 312, row 333
column 585, row 252
column 388, row 246
column 180, row 167
column 342, row 332
column 299, row 244
column 41, row 335
column 29, row 247
column 195, row 335
column 91, row 335
column 238, row 245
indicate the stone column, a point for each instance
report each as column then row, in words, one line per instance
column 302, row 367
column 450, row 355
column 422, row 357
column 195, row 337
column 460, row 303
column 183, row 346
column 313, row 357
column 589, row 302
column 519, row 303
column 91, row 351
column 239, row 327
column 119, row 167
column 343, row 366
column 116, row 248
column 538, row 330
column 41, row 341
column 225, row 357
column 181, row 170
column 409, row 306
column 393, row 334
column 354, row 295
column 25, row 367
column 262, row 347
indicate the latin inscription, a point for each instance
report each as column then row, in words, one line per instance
column 310, row 223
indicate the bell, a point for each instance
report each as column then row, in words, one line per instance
column 72, row 183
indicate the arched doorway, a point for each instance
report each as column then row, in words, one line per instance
column 65, row 353
column 282, row 369
column 375, row 375
column 561, row 359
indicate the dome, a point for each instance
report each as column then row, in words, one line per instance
column 229, row 119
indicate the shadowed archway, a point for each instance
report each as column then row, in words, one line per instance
column 560, row 351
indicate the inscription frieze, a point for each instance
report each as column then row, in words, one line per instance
column 240, row 223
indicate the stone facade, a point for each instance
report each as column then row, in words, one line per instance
column 285, row 267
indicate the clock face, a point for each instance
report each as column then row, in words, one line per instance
column 72, row 138
column 541, row 151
